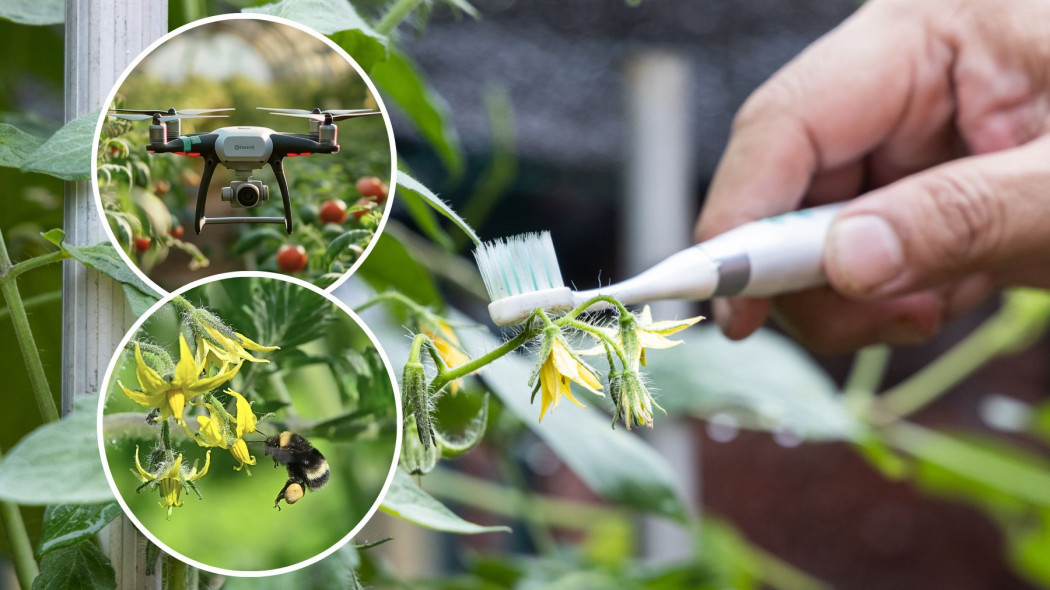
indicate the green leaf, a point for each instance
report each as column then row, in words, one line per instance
column 407, row 501
column 34, row 12
column 427, row 221
column 15, row 145
column 338, row 19
column 58, row 463
column 294, row 315
column 81, row 567
column 104, row 258
column 765, row 382
column 66, row 154
column 454, row 445
column 324, row 16
column 68, row 524
column 413, row 188
column 400, row 80
column 334, row 571
column 390, row 266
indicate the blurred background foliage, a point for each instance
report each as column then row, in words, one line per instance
column 327, row 382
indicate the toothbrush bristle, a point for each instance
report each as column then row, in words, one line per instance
column 518, row 264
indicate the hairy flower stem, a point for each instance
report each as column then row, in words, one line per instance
column 444, row 377
column 174, row 574
column 865, row 377
column 26, row 569
column 398, row 11
column 183, row 303
column 608, row 340
column 598, row 299
column 34, row 365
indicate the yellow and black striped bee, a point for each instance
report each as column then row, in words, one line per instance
column 307, row 467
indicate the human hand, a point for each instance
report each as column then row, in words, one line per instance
column 937, row 113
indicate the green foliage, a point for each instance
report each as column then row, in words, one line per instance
column 104, row 258
column 401, row 82
column 334, row 571
column 16, row 145
column 57, row 463
column 408, row 501
column 34, row 12
column 81, row 566
column 765, row 381
column 67, row 153
column 414, row 189
column 68, row 524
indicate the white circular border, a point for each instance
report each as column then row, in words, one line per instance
column 104, row 394
column 388, row 206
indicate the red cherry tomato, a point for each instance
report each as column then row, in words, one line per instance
column 142, row 243
column 291, row 258
column 371, row 186
column 361, row 212
column 333, row 211
column 177, row 231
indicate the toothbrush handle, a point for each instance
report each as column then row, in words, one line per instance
column 774, row 255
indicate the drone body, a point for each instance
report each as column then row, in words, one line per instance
column 242, row 150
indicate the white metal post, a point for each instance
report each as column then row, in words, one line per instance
column 102, row 37
column 658, row 221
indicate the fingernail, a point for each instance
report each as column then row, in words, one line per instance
column 723, row 312
column 863, row 253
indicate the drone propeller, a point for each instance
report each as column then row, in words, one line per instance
column 165, row 118
column 170, row 111
column 322, row 117
column 314, row 111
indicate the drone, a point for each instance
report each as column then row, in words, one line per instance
column 242, row 150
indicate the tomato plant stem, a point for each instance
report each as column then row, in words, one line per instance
column 34, row 262
column 37, row 378
column 600, row 298
column 398, row 11
column 865, row 377
column 445, row 377
column 936, row 378
column 26, row 569
column 597, row 333
column 175, row 574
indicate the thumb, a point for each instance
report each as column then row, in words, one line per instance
column 980, row 213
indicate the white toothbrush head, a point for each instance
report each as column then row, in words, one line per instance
column 521, row 273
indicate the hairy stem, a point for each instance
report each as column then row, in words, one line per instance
column 599, row 298
column 26, row 569
column 444, row 377
column 34, row 262
column 183, row 303
column 608, row 340
column 34, row 365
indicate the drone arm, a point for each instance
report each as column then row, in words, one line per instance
column 277, row 164
column 287, row 144
column 202, row 192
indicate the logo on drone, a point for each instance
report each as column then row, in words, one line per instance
column 243, row 147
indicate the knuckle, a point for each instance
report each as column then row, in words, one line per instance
column 772, row 98
column 969, row 219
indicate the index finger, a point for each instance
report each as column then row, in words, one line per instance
column 825, row 110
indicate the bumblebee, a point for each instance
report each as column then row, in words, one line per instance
column 307, row 467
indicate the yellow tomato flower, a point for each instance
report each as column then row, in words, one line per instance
column 217, row 429
column 171, row 476
column 214, row 347
column 448, row 348
column 170, row 396
column 646, row 333
column 558, row 366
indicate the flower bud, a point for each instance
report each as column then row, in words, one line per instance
column 416, row 458
column 416, row 402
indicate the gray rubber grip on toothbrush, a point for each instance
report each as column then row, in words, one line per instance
column 733, row 274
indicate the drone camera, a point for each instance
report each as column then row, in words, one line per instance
column 246, row 193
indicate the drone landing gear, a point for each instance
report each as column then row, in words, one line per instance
column 202, row 196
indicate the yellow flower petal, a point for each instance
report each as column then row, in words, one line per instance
column 246, row 420
column 148, row 378
column 143, row 475
column 210, row 431
column 151, row 400
column 239, row 450
column 249, row 344
column 199, row 386
column 194, row 475
column 186, row 370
